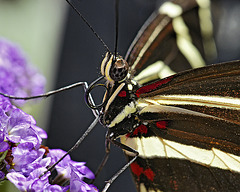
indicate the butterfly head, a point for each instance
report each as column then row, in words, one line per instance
column 114, row 68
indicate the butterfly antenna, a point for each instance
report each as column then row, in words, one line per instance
column 116, row 25
column 88, row 24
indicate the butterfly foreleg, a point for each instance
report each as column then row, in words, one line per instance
column 45, row 95
column 105, row 158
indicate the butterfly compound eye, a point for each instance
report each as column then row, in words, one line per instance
column 119, row 70
column 114, row 69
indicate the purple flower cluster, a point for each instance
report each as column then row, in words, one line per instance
column 17, row 77
column 17, row 127
column 23, row 159
column 31, row 164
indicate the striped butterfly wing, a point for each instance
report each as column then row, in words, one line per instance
column 189, row 136
column 177, row 36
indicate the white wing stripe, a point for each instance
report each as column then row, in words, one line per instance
column 200, row 100
column 153, row 147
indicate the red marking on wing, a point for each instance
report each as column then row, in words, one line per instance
column 149, row 174
column 161, row 124
column 136, row 169
column 152, row 87
column 142, row 129
column 122, row 94
column 174, row 184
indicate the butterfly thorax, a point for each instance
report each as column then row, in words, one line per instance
column 119, row 113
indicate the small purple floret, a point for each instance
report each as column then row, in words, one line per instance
column 26, row 158
column 76, row 183
column 2, row 175
column 64, row 167
column 19, row 127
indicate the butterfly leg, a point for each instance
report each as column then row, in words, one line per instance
column 79, row 141
column 45, row 95
column 113, row 140
column 105, row 158
column 84, row 84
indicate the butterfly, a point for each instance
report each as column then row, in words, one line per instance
column 164, row 114
column 146, row 122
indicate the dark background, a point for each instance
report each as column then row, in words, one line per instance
column 80, row 60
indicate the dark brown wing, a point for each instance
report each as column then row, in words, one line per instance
column 174, row 37
column 212, row 90
column 189, row 136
